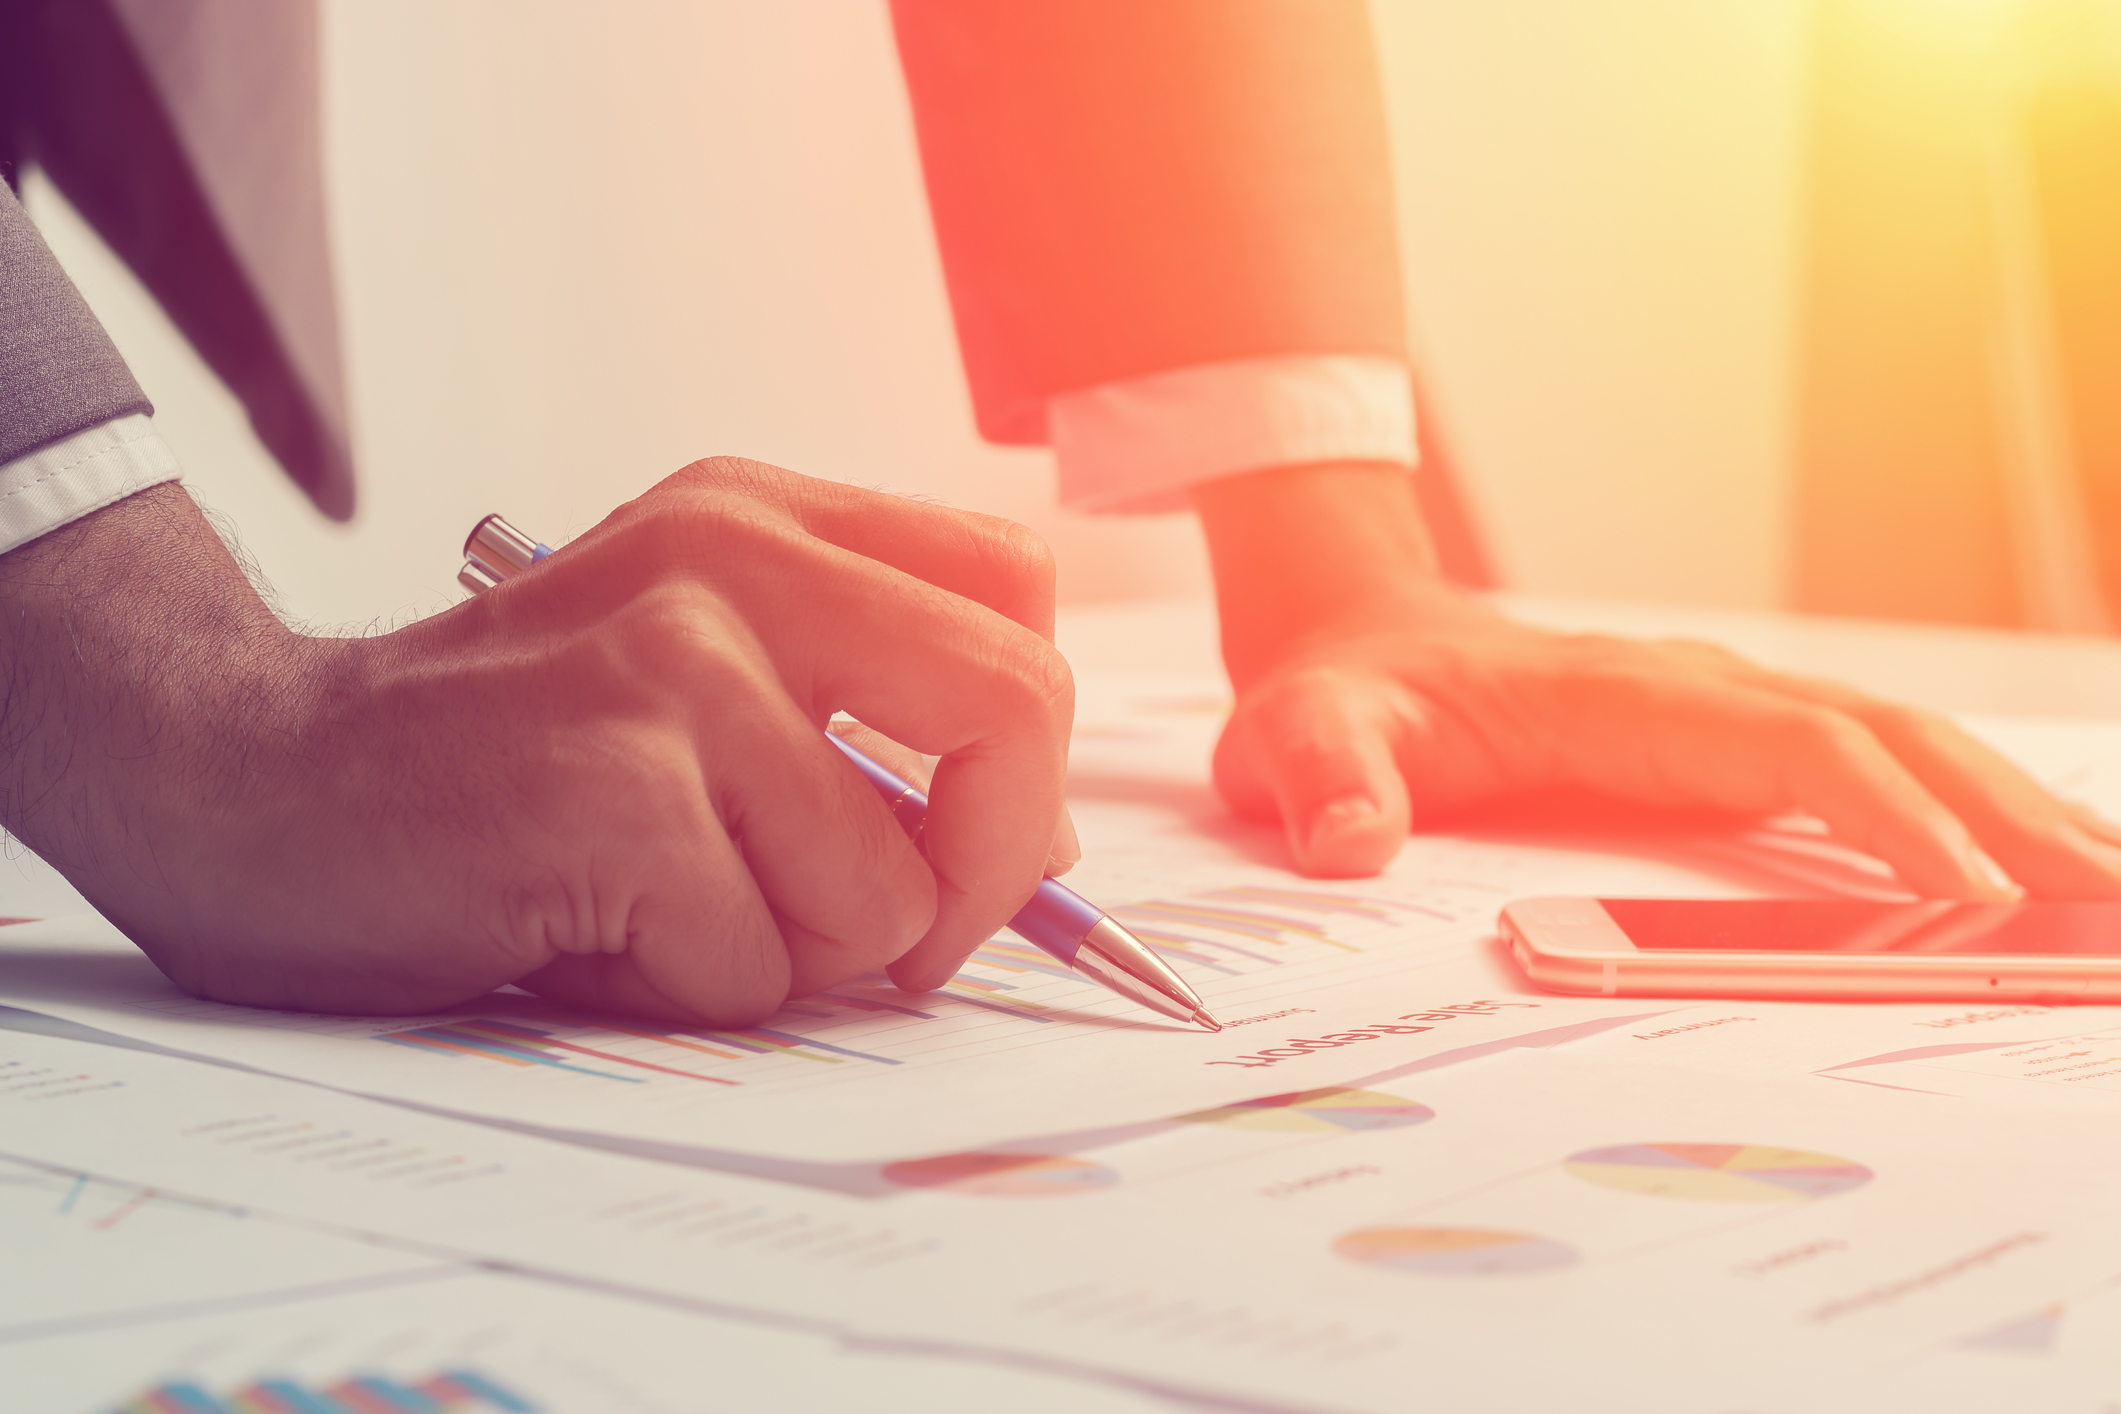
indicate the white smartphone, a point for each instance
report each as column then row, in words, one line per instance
column 1819, row 949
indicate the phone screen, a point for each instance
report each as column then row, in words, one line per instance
column 1805, row 925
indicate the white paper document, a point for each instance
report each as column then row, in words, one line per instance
column 1319, row 982
column 82, row 1251
column 1330, row 1251
column 457, row 1339
column 1400, row 1178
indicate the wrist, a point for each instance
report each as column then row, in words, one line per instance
column 143, row 673
column 1310, row 554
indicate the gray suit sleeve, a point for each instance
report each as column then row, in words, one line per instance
column 59, row 372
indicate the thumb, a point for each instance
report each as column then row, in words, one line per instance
column 1315, row 748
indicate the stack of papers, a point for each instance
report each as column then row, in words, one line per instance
column 1400, row 1178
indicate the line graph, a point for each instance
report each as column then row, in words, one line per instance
column 516, row 1043
column 1012, row 956
column 444, row 1392
column 1255, row 940
column 92, row 1205
column 1250, row 923
column 512, row 1044
column 1231, row 932
column 988, row 992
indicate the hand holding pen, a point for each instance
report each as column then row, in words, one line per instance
column 606, row 784
column 1056, row 920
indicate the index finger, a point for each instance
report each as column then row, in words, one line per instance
column 984, row 558
column 2055, row 849
column 953, row 679
column 1742, row 747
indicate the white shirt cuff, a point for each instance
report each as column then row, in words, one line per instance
column 1137, row 445
column 65, row 480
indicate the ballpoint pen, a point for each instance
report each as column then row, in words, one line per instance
column 1059, row 922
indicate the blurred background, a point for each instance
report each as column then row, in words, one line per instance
column 1750, row 303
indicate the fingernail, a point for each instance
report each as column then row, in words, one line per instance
column 1067, row 851
column 926, row 982
column 1336, row 818
column 1989, row 872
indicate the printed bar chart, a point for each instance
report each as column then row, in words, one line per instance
column 514, row 1044
column 1012, row 956
column 445, row 1392
column 1232, row 932
column 1251, row 923
column 1454, row 1251
column 517, row 1044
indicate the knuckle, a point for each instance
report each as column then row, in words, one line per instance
column 1021, row 555
column 743, row 544
column 672, row 645
column 669, row 620
column 737, row 475
column 1698, row 654
column 1286, row 709
column 1035, row 678
column 1600, row 653
column 1296, row 715
column 1824, row 732
column 1002, row 562
column 1896, row 721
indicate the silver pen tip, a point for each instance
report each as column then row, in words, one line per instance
column 1201, row 1018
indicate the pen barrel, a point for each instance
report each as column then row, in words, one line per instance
column 1057, row 921
column 1069, row 928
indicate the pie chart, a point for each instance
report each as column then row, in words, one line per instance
column 1454, row 1251
column 1718, row 1173
column 1003, row 1175
column 1317, row 1110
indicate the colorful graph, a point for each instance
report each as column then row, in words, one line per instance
column 1004, row 1175
column 1230, row 931
column 516, row 1043
column 1317, row 1110
column 445, row 1392
column 1205, row 930
column 1718, row 1173
column 1454, row 1251
column 1002, row 955
column 1010, row 956
column 1354, row 906
column 1155, row 919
